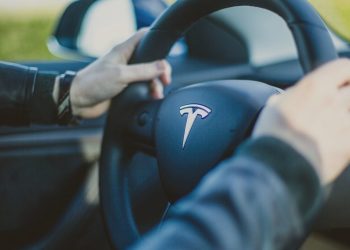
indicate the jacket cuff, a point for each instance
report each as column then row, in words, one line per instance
column 295, row 171
column 16, row 90
column 43, row 109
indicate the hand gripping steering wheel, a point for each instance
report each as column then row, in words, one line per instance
column 194, row 127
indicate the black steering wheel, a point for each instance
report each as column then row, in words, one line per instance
column 194, row 127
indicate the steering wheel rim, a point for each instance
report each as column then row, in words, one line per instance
column 314, row 47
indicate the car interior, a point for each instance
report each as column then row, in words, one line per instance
column 49, row 175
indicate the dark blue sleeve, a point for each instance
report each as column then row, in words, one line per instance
column 262, row 198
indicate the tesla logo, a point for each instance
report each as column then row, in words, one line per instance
column 192, row 111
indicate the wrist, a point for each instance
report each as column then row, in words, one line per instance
column 75, row 96
column 273, row 124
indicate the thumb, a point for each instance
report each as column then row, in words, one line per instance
column 147, row 72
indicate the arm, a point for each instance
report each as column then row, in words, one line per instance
column 250, row 201
column 31, row 96
column 26, row 95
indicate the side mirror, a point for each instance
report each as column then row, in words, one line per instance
column 89, row 28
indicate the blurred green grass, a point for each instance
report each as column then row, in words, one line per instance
column 24, row 36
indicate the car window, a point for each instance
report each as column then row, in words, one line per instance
column 25, row 25
column 109, row 22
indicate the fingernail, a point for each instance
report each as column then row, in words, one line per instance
column 158, row 96
column 168, row 80
column 157, row 89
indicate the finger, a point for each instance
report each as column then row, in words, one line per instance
column 157, row 89
column 94, row 111
column 144, row 71
column 166, row 76
column 334, row 74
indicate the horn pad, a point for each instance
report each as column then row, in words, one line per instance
column 200, row 125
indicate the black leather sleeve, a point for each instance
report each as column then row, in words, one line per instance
column 16, row 91
column 264, row 197
column 26, row 96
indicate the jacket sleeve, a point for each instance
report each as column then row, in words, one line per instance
column 265, row 197
column 26, row 96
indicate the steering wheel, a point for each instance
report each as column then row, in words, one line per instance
column 197, row 126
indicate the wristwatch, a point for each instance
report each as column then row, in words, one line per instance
column 64, row 109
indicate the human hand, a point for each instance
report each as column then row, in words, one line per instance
column 95, row 85
column 314, row 118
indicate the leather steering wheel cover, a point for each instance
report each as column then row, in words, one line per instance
column 114, row 161
column 315, row 48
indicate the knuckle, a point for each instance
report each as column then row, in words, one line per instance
column 311, row 81
column 149, row 69
column 343, row 62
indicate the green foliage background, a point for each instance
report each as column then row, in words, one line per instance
column 336, row 14
column 23, row 36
